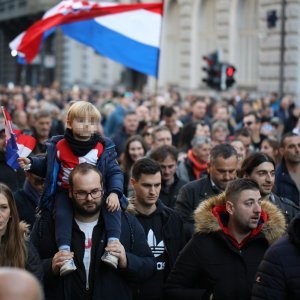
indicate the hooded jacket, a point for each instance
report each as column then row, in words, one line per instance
column 211, row 264
column 48, row 168
column 278, row 276
column 173, row 238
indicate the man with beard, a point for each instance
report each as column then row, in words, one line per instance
column 252, row 122
column 93, row 279
column 233, row 231
column 261, row 168
column 288, row 172
column 221, row 170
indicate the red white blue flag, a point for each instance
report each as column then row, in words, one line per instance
column 17, row 144
column 126, row 33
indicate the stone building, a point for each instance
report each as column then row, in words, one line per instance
column 266, row 56
column 264, row 49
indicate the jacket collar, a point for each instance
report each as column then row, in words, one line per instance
column 219, row 211
column 272, row 228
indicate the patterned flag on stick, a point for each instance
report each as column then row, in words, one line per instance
column 17, row 144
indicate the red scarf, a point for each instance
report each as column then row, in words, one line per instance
column 221, row 209
column 198, row 168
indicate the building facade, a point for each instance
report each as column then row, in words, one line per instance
column 264, row 49
column 259, row 37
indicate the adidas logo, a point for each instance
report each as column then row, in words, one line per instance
column 157, row 249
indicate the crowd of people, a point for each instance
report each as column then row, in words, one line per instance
column 137, row 196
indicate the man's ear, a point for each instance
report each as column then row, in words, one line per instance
column 229, row 207
column 132, row 182
column 70, row 192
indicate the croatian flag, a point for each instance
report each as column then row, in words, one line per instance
column 17, row 144
column 126, row 33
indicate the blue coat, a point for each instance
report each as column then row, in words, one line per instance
column 285, row 185
column 48, row 168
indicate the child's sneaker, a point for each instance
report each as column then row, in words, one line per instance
column 110, row 259
column 67, row 268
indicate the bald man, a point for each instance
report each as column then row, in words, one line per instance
column 17, row 284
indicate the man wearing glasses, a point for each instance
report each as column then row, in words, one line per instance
column 92, row 279
column 252, row 122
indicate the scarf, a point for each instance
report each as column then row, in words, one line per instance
column 198, row 168
column 81, row 148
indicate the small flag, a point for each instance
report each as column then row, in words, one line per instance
column 17, row 144
column 11, row 144
column 25, row 143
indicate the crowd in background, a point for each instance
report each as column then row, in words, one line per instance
column 200, row 143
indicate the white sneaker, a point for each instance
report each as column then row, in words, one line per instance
column 67, row 268
column 110, row 259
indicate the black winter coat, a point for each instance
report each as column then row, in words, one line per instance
column 105, row 283
column 169, row 196
column 288, row 207
column 189, row 197
column 211, row 264
column 173, row 237
column 33, row 262
column 278, row 276
column 13, row 179
column 26, row 207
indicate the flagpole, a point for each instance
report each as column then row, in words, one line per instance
column 5, row 119
column 161, row 34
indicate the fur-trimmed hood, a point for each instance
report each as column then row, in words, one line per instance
column 206, row 222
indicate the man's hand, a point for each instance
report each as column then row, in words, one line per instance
column 117, row 249
column 59, row 259
column 24, row 163
column 112, row 202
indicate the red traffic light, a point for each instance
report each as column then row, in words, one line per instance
column 230, row 71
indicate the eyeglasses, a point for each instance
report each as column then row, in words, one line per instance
column 248, row 123
column 82, row 195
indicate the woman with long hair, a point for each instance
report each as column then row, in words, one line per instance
column 135, row 149
column 15, row 247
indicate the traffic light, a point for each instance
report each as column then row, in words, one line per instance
column 212, row 69
column 230, row 70
column 220, row 76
